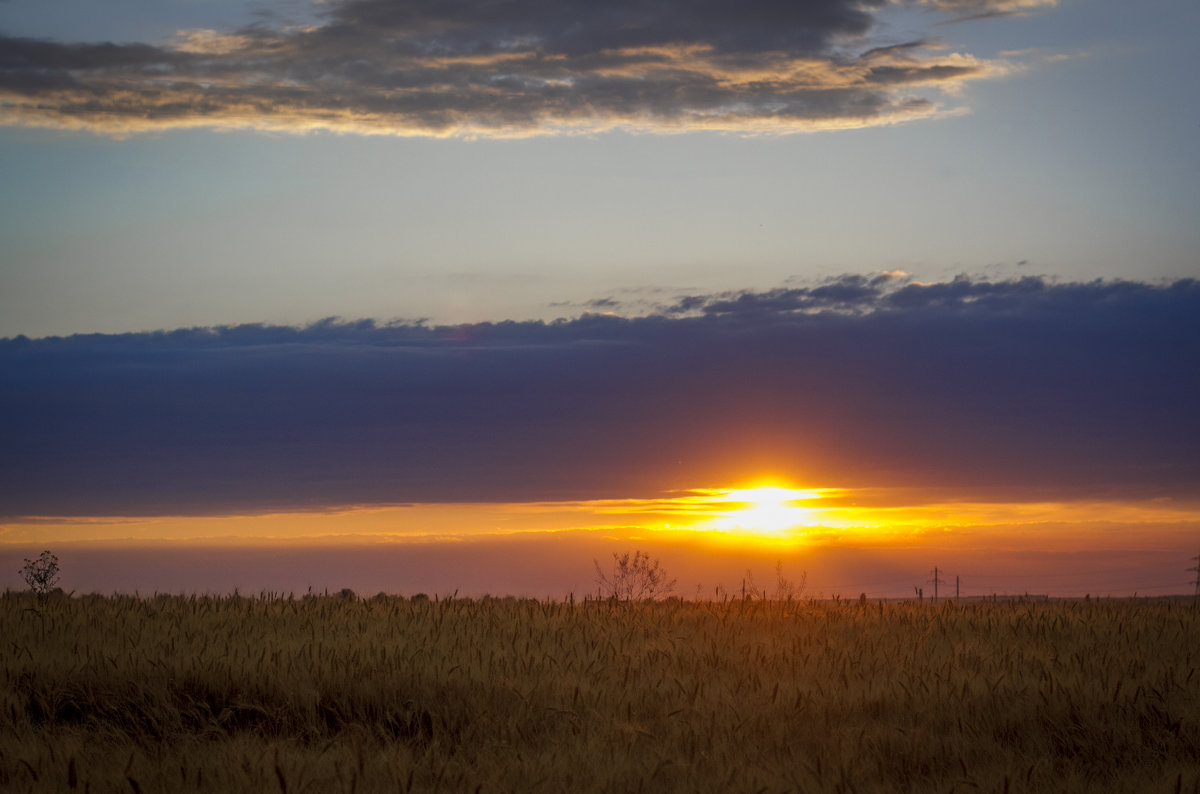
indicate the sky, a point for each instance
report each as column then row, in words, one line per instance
column 468, row 295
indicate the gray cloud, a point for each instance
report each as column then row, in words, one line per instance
column 1022, row 387
column 976, row 10
column 847, row 293
column 520, row 67
column 987, row 7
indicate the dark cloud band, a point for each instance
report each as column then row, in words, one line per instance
column 1029, row 387
column 519, row 67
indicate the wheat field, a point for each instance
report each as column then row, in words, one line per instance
column 341, row 694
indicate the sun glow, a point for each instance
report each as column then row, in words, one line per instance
column 768, row 511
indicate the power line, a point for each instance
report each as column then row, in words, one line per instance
column 935, row 581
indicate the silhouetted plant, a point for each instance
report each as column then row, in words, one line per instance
column 788, row 589
column 41, row 574
column 785, row 589
column 635, row 577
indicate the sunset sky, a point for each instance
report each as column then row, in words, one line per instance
column 416, row 296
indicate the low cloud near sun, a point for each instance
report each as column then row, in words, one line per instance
column 1050, row 390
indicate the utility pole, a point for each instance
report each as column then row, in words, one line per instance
column 956, row 587
column 935, row 581
column 1196, row 568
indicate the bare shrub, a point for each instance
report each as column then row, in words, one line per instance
column 41, row 574
column 785, row 589
column 788, row 589
column 634, row 577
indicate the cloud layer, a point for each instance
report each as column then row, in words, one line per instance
column 1021, row 389
column 513, row 68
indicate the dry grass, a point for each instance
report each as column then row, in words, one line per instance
column 339, row 694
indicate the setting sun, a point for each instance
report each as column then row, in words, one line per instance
column 770, row 511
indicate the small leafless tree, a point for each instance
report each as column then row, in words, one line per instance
column 785, row 589
column 788, row 589
column 41, row 574
column 634, row 577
